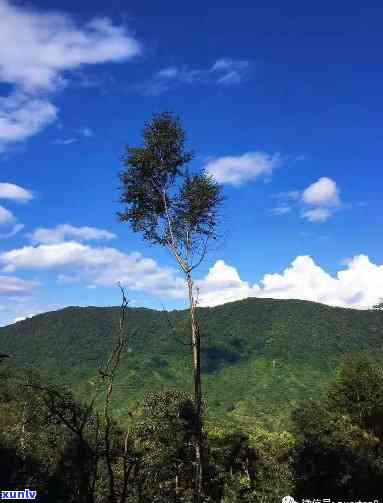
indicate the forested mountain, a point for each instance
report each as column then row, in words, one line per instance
column 260, row 356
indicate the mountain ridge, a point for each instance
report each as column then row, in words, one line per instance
column 260, row 356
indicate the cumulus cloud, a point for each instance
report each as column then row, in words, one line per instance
column 11, row 285
column 36, row 47
column 37, row 50
column 317, row 214
column 99, row 266
column 15, row 193
column 223, row 284
column 224, row 72
column 324, row 192
column 359, row 285
column 323, row 197
column 22, row 116
column 236, row 170
column 67, row 231
column 6, row 216
column 319, row 201
column 7, row 219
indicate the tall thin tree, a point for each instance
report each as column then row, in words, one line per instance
column 177, row 208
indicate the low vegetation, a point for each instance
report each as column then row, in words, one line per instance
column 56, row 444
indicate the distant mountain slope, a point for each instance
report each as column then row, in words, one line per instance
column 259, row 355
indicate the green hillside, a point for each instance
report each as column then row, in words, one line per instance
column 260, row 356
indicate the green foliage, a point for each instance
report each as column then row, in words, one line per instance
column 157, row 189
column 254, row 466
column 163, row 432
column 164, row 202
column 338, row 450
column 196, row 207
column 56, row 444
column 45, row 438
column 358, row 391
column 151, row 171
column 260, row 356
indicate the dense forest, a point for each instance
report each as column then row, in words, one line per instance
column 259, row 356
column 308, row 423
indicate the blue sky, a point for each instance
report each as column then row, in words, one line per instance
column 282, row 104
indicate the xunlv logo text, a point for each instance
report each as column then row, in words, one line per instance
column 26, row 494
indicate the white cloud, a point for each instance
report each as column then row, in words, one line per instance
column 22, row 116
column 65, row 141
column 6, row 216
column 100, row 266
column 323, row 192
column 15, row 230
column 295, row 195
column 317, row 214
column 83, row 132
column 236, row 170
column 14, row 193
column 323, row 196
column 67, row 231
column 22, row 318
column 8, row 219
column 280, row 210
column 225, row 72
column 37, row 50
column 11, row 285
column 223, row 284
column 359, row 285
column 230, row 71
column 320, row 200
column 36, row 47
column 18, row 306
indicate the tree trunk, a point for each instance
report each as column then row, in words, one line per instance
column 196, row 355
column 176, row 485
